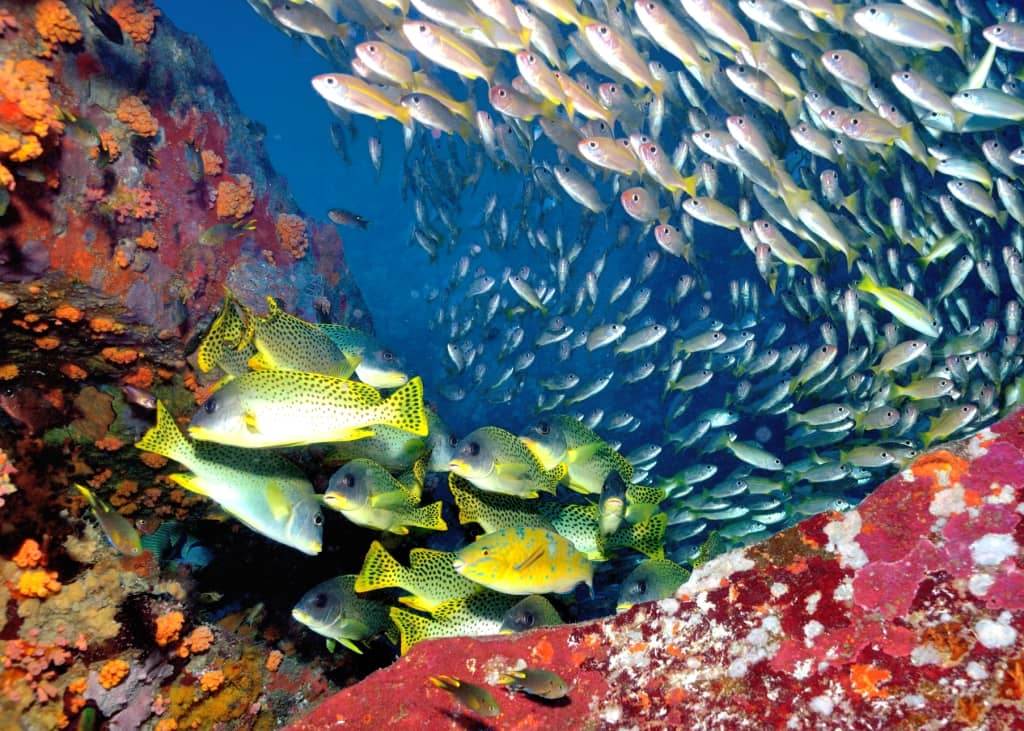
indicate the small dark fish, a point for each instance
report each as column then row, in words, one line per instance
column 104, row 22
column 471, row 696
column 142, row 149
column 346, row 218
column 81, row 129
column 339, row 142
column 541, row 683
column 194, row 162
column 218, row 233
column 138, row 396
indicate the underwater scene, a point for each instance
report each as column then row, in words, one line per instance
column 480, row 364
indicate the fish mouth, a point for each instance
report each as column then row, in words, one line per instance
column 455, row 465
column 336, row 502
column 458, row 564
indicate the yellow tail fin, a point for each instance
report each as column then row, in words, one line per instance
column 404, row 409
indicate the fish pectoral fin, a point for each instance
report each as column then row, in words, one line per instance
column 352, row 434
column 531, row 558
column 414, row 602
column 350, row 645
column 511, row 470
column 249, row 419
column 583, row 452
column 391, row 499
column 192, row 483
column 277, row 501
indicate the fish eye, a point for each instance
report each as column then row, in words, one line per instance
column 603, row 30
column 349, row 480
column 640, row 587
column 474, row 449
column 635, row 197
column 905, row 76
column 330, row 81
column 592, row 144
column 210, row 405
column 872, row 11
column 997, row 30
column 371, row 48
column 388, row 355
column 527, row 619
column 855, row 121
column 320, row 601
column 531, row 58
column 835, row 56
column 486, row 552
column 318, row 519
column 422, row 28
column 502, row 93
column 452, row 441
column 650, row 6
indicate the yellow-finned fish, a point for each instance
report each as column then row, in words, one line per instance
column 430, row 578
column 446, row 49
column 288, row 343
column 473, row 615
column 524, row 561
column 119, row 530
column 333, row 609
column 367, row 494
column 496, row 460
column 902, row 306
column 261, row 489
column 352, row 93
column 472, row 696
column 290, row 408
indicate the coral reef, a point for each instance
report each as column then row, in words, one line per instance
column 137, row 19
column 905, row 612
column 235, row 198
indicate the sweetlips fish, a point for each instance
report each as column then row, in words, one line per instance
column 335, row 610
column 291, row 408
column 474, row 615
column 430, row 578
column 524, row 561
column 532, row 611
column 261, row 489
column 118, row 529
column 373, row 363
column 286, row 342
column 496, row 460
column 367, row 494
column 227, row 344
column 493, row 510
column 651, row 580
column 588, row 459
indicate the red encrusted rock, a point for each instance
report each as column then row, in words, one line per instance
column 906, row 612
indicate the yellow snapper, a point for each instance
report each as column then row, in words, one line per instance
column 367, row 494
column 524, row 561
column 352, row 93
column 333, row 609
column 496, row 460
column 261, row 489
column 285, row 342
column 289, row 408
column 446, row 49
column 119, row 531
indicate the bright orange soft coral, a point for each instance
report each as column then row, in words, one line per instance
column 168, row 626
column 235, row 199
column 56, row 24
column 29, row 555
column 942, row 468
column 146, row 240
column 133, row 112
column 291, row 232
column 211, row 680
column 201, row 639
column 865, row 680
column 113, row 673
column 213, row 164
column 135, row 22
column 39, row 584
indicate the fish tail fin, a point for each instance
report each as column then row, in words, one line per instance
column 87, row 494
column 404, row 409
column 647, row 537
column 812, row 265
column 791, row 111
column 413, row 628
column 381, row 570
column 166, row 439
column 840, row 11
column 690, row 185
column 570, row 108
column 852, row 203
column 429, row 516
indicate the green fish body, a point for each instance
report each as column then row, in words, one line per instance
column 493, row 510
column 430, row 577
column 367, row 494
column 498, row 461
column 119, row 531
column 588, row 459
column 288, row 343
column 477, row 614
column 261, row 489
column 651, row 580
column 334, row 609
column 373, row 363
column 290, row 408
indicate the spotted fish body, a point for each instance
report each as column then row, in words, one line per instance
column 587, row 457
column 289, row 408
column 533, row 611
column 261, row 489
column 498, row 461
column 492, row 510
column 373, row 363
column 367, row 494
column 389, row 446
column 651, row 580
column 227, row 344
column 580, row 524
column 286, row 342
column 430, row 578
column 475, row 615
column 524, row 561
column 333, row 609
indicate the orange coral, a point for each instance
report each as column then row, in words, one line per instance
column 166, row 724
column 122, row 356
column 865, row 680
column 109, row 443
column 56, row 24
column 50, row 342
column 74, row 372
column 211, row 680
column 153, row 460
column 235, row 199
column 168, row 626
column 140, row 378
column 136, row 18
column 105, row 325
column 291, row 232
column 213, row 164
column 109, row 143
column 39, row 584
column 201, row 639
column 274, row 660
column 68, row 313
column 8, row 371
column 134, row 113
column 146, row 240
column 942, row 468
column 113, row 672
column 29, row 555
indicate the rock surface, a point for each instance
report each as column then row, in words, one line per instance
column 906, row 612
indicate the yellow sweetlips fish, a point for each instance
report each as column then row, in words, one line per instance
column 367, row 494
column 291, row 408
column 289, row 343
column 524, row 561
column 497, row 461
column 261, row 489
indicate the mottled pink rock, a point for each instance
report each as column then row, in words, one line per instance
column 877, row 618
